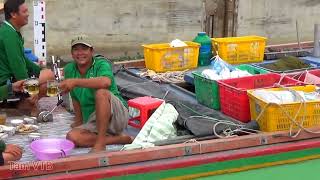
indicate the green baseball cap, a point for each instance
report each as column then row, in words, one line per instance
column 81, row 39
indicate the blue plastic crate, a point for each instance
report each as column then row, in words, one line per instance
column 313, row 63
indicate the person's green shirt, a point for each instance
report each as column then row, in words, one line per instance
column 13, row 63
column 86, row 96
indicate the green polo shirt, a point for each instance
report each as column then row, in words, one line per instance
column 13, row 62
column 86, row 96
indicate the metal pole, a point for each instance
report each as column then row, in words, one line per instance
column 316, row 47
column 298, row 35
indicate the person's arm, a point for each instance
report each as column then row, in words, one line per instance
column 33, row 69
column 94, row 83
column 2, row 146
column 2, row 149
column 78, row 114
column 3, row 92
column 10, row 88
column 102, row 80
column 16, row 59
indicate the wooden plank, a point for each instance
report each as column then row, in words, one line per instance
column 170, row 151
column 306, row 44
column 192, row 161
column 132, row 63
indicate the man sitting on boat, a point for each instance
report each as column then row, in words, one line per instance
column 101, row 114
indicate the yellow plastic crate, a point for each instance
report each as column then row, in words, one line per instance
column 162, row 57
column 239, row 50
column 275, row 118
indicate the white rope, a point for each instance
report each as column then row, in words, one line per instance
column 168, row 77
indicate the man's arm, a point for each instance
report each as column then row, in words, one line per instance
column 33, row 68
column 94, row 83
column 3, row 95
column 5, row 90
column 2, row 146
column 78, row 114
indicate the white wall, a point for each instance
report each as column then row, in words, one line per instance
column 117, row 27
column 276, row 19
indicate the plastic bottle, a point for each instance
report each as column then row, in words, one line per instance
column 29, row 55
column 205, row 53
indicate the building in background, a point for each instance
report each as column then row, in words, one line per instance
column 120, row 27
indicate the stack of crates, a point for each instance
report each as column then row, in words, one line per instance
column 207, row 91
column 233, row 92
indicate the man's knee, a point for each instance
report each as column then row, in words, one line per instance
column 73, row 135
column 102, row 93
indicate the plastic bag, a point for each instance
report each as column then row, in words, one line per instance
column 177, row 43
column 218, row 65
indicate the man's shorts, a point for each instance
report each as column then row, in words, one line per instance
column 118, row 122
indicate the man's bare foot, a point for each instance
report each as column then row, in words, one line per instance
column 98, row 148
column 125, row 139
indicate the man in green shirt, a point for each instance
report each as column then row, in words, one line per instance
column 13, row 63
column 100, row 111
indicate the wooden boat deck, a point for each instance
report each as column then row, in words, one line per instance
column 56, row 129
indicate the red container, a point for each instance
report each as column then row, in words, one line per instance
column 301, row 76
column 233, row 92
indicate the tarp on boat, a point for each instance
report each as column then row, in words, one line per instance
column 194, row 118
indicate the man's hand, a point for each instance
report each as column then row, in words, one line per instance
column 14, row 150
column 18, row 86
column 67, row 85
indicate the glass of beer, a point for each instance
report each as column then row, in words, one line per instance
column 52, row 88
column 32, row 86
column 3, row 118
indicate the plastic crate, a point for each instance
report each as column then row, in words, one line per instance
column 162, row 57
column 301, row 76
column 240, row 50
column 251, row 69
column 274, row 118
column 207, row 91
column 233, row 92
column 313, row 65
